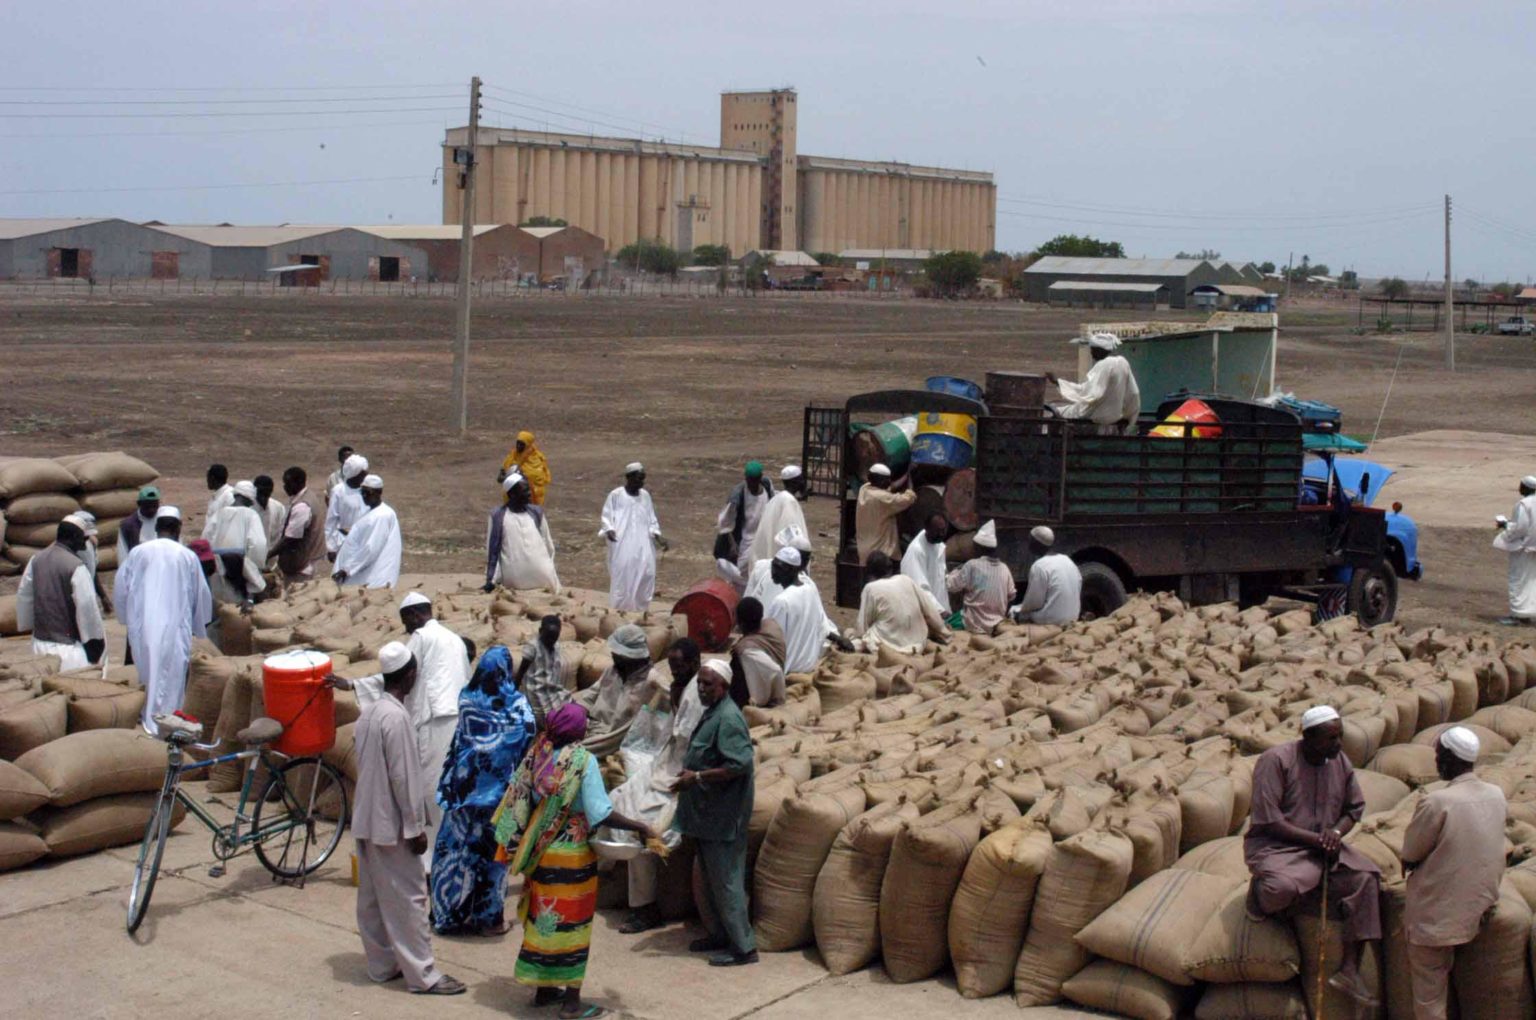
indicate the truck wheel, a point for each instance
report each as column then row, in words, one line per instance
column 1373, row 593
column 1103, row 591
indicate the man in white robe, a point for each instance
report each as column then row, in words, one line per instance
column 442, row 673
column 164, row 602
column 760, row 584
column 633, row 533
column 345, row 503
column 925, row 562
column 239, row 528
column 335, row 477
column 519, row 552
column 223, row 494
column 799, row 612
column 1108, row 395
column 1054, row 592
column 273, row 513
column 894, row 612
column 783, row 511
column 738, row 523
column 57, row 603
column 370, row 554
column 1518, row 538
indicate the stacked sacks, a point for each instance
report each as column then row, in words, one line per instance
column 36, row 494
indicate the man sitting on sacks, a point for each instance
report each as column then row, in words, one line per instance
column 615, row 700
column 1305, row 800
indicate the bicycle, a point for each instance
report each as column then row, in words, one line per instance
column 307, row 795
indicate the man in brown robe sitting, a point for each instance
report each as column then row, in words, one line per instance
column 1306, row 799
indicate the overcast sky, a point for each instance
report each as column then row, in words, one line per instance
column 1258, row 129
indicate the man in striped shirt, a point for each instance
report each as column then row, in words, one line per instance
column 984, row 584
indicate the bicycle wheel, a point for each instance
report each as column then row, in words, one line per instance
column 151, row 849
column 305, row 807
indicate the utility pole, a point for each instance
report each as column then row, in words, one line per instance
column 1289, row 259
column 1450, row 300
column 465, row 159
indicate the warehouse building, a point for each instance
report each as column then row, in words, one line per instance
column 1179, row 276
column 754, row 191
column 337, row 253
column 88, row 249
column 504, row 252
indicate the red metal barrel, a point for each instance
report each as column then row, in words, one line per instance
column 710, row 606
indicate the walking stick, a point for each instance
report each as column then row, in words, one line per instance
column 1322, row 943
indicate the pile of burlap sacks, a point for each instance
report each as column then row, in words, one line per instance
column 76, row 772
column 37, row 493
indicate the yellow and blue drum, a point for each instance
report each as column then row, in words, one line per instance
column 944, row 440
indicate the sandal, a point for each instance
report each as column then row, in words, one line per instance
column 643, row 919
column 587, row 1013
column 445, row 986
column 548, row 996
column 494, row 930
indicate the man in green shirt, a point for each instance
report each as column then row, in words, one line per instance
column 714, row 805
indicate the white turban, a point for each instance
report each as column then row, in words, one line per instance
column 719, row 667
column 633, row 466
column 1045, row 536
column 1529, row 481
column 173, row 512
column 354, row 466
column 1461, row 742
column 789, row 472
column 415, row 598
column 1099, row 341
column 793, row 537
column 246, row 489
column 78, row 522
column 986, row 535
column 511, row 480
column 880, row 471
column 789, row 555
column 394, row 657
column 373, row 482
column 1318, row 715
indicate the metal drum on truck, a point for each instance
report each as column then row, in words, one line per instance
column 944, row 440
column 710, row 606
column 295, row 694
column 951, row 384
column 1015, row 391
column 889, row 443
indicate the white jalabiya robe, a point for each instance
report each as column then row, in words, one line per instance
column 442, row 671
column 762, row 586
column 370, row 554
column 274, row 516
column 1518, row 539
column 88, row 619
column 632, row 556
column 646, row 793
column 527, row 553
column 782, row 511
column 804, row 619
column 342, row 511
column 1107, row 395
column 224, row 497
column 239, row 528
column 752, row 510
column 925, row 563
column 164, row 602
column 895, row 612
column 1054, row 591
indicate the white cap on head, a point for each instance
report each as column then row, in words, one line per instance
column 880, row 471
column 1045, row 536
column 1317, row 715
column 1461, row 742
column 394, row 657
column 719, row 667
column 415, row 598
column 633, row 466
column 511, row 480
column 373, row 482
column 354, row 465
column 789, row 555
column 986, row 535
column 792, row 537
column 77, row 521
column 1099, row 341
column 246, row 488
column 1529, row 481
column 173, row 512
column 789, row 472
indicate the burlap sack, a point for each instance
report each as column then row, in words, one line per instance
column 8, row 625
column 32, row 724
column 1463, row 692
column 1382, row 792
column 845, row 910
column 1489, row 742
column 36, row 535
column 990, row 911
column 20, row 845
column 1205, row 809
column 1509, row 721
column 40, row 508
column 796, row 846
column 769, row 792
column 84, row 766
column 98, row 472
column 1218, row 857
column 1152, row 925
column 242, row 702
column 1411, row 764
column 118, row 820
column 927, row 862
column 120, row 711
column 1492, row 974
column 1230, row 948
column 1335, row 1003
column 1255, row 1002
column 117, row 503
column 25, row 475
column 838, row 690
column 20, row 792
column 1083, row 876
column 1123, row 990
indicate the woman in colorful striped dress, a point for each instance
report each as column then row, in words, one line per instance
column 542, row 828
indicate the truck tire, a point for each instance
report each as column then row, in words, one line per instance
column 1373, row 593
column 1103, row 591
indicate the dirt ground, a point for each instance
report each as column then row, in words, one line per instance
column 692, row 387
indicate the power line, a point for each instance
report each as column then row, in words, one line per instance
column 222, row 113
column 634, row 123
column 223, row 102
column 223, row 88
column 1169, row 214
column 1212, row 228
column 343, row 126
column 210, row 187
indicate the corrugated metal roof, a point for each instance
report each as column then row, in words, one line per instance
column 243, row 237
column 1232, row 289
column 12, row 229
column 1071, row 266
column 1095, row 285
column 541, row 232
column 890, row 253
column 425, row 232
column 784, row 258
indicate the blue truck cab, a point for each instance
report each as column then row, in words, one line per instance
column 1349, row 473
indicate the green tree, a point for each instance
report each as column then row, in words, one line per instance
column 652, row 256
column 994, row 256
column 543, row 221
column 1504, row 290
column 1266, row 267
column 953, row 272
column 826, row 258
column 1208, row 254
column 1394, row 287
column 711, row 255
column 1082, row 247
column 1349, row 280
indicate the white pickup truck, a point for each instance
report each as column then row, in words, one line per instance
column 1517, row 325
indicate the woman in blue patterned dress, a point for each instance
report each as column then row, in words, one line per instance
column 495, row 727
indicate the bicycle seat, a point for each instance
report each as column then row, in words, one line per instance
column 261, row 731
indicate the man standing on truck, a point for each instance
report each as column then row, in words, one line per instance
column 1108, row 395
column 875, row 518
column 1518, row 538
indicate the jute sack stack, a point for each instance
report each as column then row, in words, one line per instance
column 990, row 911
column 1152, row 925
column 115, row 820
column 20, row 791
column 1492, row 974
column 20, row 845
column 1335, row 1003
column 84, row 766
column 1083, row 876
column 1126, row 991
column 845, row 909
column 32, row 724
column 784, row 883
column 1254, row 1002
column 1231, row 948
column 927, row 862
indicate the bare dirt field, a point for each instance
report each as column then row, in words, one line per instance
column 692, row 387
